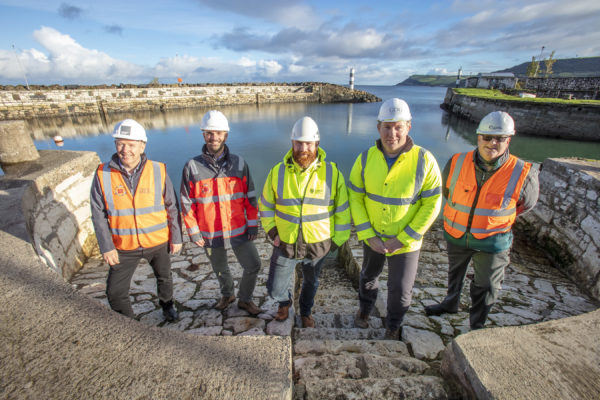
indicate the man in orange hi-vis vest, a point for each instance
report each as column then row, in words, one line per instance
column 485, row 190
column 135, row 215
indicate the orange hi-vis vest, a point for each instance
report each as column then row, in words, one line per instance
column 220, row 206
column 494, row 205
column 139, row 220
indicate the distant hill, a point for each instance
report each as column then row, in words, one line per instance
column 566, row 67
column 429, row 80
column 562, row 68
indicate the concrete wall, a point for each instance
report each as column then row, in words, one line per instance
column 566, row 121
column 580, row 88
column 56, row 208
column 22, row 104
column 566, row 221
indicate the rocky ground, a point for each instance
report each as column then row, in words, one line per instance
column 336, row 360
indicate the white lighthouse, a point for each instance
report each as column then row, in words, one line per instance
column 351, row 78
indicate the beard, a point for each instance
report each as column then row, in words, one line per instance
column 304, row 158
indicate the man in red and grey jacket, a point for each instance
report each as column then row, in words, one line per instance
column 220, row 211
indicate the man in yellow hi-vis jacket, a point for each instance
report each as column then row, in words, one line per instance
column 395, row 195
column 304, row 210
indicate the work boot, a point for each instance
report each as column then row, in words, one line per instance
column 169, row 312
column 282, row 313
column 392, row 334
column 308, row 321
column 361, row 320
column 437, row 309
column 224, row 302
column 249, row 306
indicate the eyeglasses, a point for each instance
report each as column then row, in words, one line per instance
column 499, row 139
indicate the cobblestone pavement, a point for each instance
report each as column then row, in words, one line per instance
column 337, row 359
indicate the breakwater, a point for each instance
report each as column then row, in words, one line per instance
column 558, row 120
column 103, row 102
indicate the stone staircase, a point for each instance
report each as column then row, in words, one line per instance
column 335, row 360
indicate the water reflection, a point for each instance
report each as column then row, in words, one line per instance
column 261, row 133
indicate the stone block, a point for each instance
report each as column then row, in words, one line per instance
column 79, row 193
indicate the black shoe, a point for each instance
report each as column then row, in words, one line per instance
column 437, row 309
column 170, row 312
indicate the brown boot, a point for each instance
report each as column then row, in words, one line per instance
column 361, row 320
column 308, row 321
column 282, row 313
column 224, row 302
column 249, row 306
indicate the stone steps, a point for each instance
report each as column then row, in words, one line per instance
column 358, row 369
column 337, row 360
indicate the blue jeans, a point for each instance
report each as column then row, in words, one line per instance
column 279, row 283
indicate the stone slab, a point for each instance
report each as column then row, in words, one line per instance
column 552, row 360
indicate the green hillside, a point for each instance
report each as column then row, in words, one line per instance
column 566, row 67
column 429, row 80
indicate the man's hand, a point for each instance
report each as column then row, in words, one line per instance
column 200, row 242
column 392, row 245
column 276, row 241
column 377, row 244
column 111, row 257
column 252, row 237
column 175, row 248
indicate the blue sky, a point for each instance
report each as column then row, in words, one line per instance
column 202, row 41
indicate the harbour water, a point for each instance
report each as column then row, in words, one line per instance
column 261, row 133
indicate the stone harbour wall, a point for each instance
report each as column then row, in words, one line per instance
column 56, row 208
column 53, row 102
column 566, row 222
column 566, row 121
column 579, row 87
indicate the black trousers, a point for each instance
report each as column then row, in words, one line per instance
column 119, row 277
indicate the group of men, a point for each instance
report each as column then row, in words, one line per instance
column 394, row 194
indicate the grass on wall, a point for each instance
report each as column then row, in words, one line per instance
column 494, row 94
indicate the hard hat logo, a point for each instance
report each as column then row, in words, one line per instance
column 126, row 130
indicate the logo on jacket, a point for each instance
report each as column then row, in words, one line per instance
column 205, row 188
column 120, row 191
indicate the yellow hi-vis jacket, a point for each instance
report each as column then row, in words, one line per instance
column 402, row 201
column 140, row 219
column 314, row 200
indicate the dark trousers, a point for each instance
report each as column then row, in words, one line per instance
column 119, row 277
column 486, row 284
column 402, row 271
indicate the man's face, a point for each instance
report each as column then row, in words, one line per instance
column 215, row 141
column 304, row 153
column 491, row 147
column 393, row 135
column 130, row 151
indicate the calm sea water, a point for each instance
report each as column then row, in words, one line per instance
column 261, row 134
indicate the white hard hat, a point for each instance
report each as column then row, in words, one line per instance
column 497, row 123
column 214, row 120
column 129, row 129
column 305, row 130
column 394, row 110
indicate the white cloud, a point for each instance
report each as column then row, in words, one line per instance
column 66, row 61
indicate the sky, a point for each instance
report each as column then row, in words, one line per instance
column 221, row 41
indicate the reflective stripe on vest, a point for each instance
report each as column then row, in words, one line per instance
column 495, row 212
column 139, row 220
